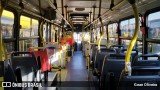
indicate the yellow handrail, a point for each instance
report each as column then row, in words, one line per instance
column 99, row 41
column 1, row 48
column 4, row 50
column 54, row 28
column 41, row 31
column 108, row 42
column 133, row 40
column 83, row 32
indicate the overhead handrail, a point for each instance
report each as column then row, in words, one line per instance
column 133, row 40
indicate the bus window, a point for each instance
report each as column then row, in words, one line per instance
column 139, row 46
column 52, row 34
column 154, row 48
column 124, row 28
column 125, row 43
column 34, row 28
column 44, row 31
column 127, row 28
column 112, row 30
column 9, row 46
column 29, row 29
column 7, row 21
column 24, row 44
column 105, row 35
column 86, row 36
column 77, row 37
column 98, row 33
column 113, row 41
column 154, row 25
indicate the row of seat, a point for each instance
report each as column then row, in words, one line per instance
column 23, row 67
column 145, row 74
column 109, row 66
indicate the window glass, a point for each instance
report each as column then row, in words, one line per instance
column 7, row 21
column 52, row 34
column 98, row 33
column 127, row 28
column 154, row 25
column 49, row 33
column 29, row 27
column 34, row 27
column 112, row 30
column 154, row 48
column 44, row 31
column 86, row 36
column 139, row 46
column 9, row 46
column 77, row 37
column 105, row 34
column 125, row 43
column 113, row 41
column 124, row 28
column 24, row 44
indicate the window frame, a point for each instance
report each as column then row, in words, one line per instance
column 13, row 38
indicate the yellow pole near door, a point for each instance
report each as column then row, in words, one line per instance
column 41, row 33
column 102, row 34
column 133, row 40
column 1, row 41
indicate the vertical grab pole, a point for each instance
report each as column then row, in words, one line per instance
column 4, row 50
column 133, row 41
column 107, row 32
column 83, row 32
column 88, row 50
column 1, row 48
column 102, row 34
column 41, row 35
column 100, row 19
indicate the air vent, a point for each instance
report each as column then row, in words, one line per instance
column 79, row 9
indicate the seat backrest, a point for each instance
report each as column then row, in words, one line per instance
column 113, row 66
column 139, row 62
column 145, row 70
column 27, row 64
column 100, row 57
column 95, row 51
column 111, row 71
column 147, row 63
column 117, row 48
column 134, row 53
column 99, row 60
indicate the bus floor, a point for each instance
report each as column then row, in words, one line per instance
column 77, row 77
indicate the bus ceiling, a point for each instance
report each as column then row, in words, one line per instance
column 79, row 11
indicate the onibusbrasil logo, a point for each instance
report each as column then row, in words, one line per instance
column 14, row 84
